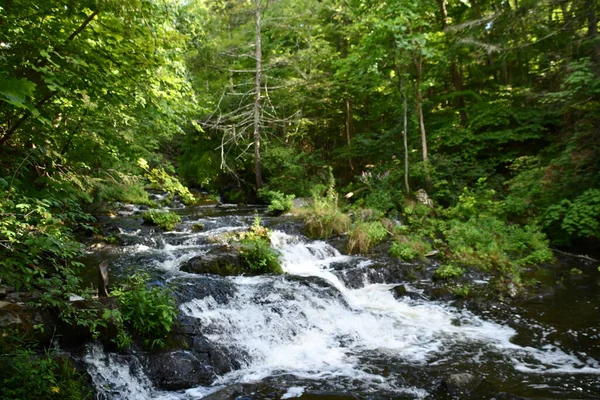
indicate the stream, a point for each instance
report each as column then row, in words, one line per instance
column 332, row 327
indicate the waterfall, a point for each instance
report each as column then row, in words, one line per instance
column 308, row 326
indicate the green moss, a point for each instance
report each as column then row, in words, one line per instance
column 197, row 227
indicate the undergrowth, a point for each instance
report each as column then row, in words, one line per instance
column 164, row 219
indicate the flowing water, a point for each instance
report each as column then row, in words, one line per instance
column 313, row 334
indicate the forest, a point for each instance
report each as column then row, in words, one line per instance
column 465, row 129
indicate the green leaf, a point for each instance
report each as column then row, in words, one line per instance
column 16, row 91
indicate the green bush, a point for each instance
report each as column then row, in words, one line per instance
column 364, row 235
column 150, row 311
column 278, row 201
column 259, row 257
column 322, row 218
column 130, row 191
column 409, row 248
column 448, row 271
column 166, row 220
column 27, row 376
column 579, row 218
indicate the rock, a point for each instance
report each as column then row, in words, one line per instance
column 28, row 321
column 223, row 260
column 399, row 291
column 460, row 383
column 232, row 392
column 176, row 370
column 300, row 202
column 423, row 198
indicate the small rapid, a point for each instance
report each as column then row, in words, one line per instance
column 307, row 329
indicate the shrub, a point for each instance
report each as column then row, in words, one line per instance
column 579, row 218
column 131, row 191
column 448, row 272
column 278, row 201
column 488, row 242
column 364, row 235
column 165, row 220
column 149, row 311
column 323, row 218
column 258, row 257
column 163, row 180
column 409, row 248
column 27, row 376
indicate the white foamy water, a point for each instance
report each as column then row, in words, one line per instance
column 310, row 325
column 283, row 326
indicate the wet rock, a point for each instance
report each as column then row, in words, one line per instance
column 28, row 321
column 239, row 390
column 187, row 289
column 213, row 356
column 223, row 260
column 460, row 383
column 177, row 370
column 399, row 291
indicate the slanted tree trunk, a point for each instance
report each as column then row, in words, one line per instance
column 257, row 97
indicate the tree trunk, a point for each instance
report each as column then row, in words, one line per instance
column 418, row 61
column 257, row 88
column 592, row 33
column 405, row 133
column 349, row 129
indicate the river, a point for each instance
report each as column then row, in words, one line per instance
column 330, row 329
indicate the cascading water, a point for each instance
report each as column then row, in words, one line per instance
column 307, row 329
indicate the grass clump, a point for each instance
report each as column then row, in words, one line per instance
column 164, row 219
column 257, row 256
column 448, row 271
column 323, row 218
column 278, row 201
column 364, row 235
column 149, row 311
column 409, row 248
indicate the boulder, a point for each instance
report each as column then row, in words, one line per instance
column 460, row 383
column 177, row 370
column 222, row 260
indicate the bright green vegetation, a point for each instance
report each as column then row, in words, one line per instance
column 448, row 272
column 27, row 376
column 150, row 312
column 364, row 235
column 259, row 257
column 409, row 248
column 323, row 218
column 165, row 219
column 256, row 253
column 162, row 180
column 278, row 202
column 197, row 227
